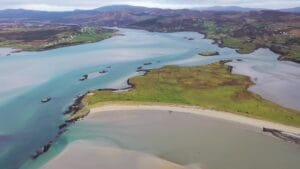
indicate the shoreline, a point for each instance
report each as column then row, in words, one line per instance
column 198, row 111
column 114, row 33
column 220, row 43
column 281, row 131
column 115, row 124
column 64, row 127
column 78, row 110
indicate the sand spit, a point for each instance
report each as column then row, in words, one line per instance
column 202, row 112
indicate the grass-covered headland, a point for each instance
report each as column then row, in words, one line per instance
column 212, row 86
column 37, row 37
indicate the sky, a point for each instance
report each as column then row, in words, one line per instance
column 62, row 5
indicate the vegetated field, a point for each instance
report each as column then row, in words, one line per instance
column 209, row 53
column 33, row 37
column 211, row 86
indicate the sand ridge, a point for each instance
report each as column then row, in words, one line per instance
column 199, row 111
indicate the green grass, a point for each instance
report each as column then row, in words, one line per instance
column 241, row 44
column 80, row 114
column 232, row 42
column 91, row 35
column 211, row 86
column 209, row 53
column 67, row 37
column 265, row 36
column 210, row 26
column 294, row 53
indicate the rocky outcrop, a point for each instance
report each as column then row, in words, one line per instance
column 84, row 77
column 46, row 100
column 209, row 53
column 290, row 137
column 103, row 71
column 42, row 150
column 148, row 63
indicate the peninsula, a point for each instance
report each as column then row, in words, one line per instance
column 210, row 87
column 41, row 36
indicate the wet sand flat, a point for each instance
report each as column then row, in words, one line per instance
column 183, row 136
column 198, row 111
column 83, row 154
column 277, row 81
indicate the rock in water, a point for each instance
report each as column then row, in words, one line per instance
column 46, row 100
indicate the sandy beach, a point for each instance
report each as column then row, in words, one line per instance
column 83, row 154
column 6, row 51
column 202, row 112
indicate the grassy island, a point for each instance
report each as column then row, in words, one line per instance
column 212, row 87
column 209, row 53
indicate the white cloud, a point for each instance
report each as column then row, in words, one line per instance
column 90, row 4
column 43, row 7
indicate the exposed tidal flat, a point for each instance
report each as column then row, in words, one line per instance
column 5, row 51
column 275, row 81
column 172, row 136
column 26, row 124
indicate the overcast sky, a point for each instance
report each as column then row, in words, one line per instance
column 60, row 5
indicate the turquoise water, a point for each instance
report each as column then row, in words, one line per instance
column 27, row 77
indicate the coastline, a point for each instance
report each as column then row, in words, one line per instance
column 197, row 111
column 187, row 126
column 220, row 43
column 79, row 110
column 283, row 79
column 78, row 106
column 15, row 49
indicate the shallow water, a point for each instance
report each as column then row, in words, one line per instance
column 274, row 80
column 6, row 52
column 185, row 139
column 28, row 77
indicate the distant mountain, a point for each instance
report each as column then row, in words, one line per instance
column 30, row 14
column 120, row 8
column 114, row 15
column 242, row 9
column 22, row 14
column 34, row 15
column 293, row 10
column 229, row 9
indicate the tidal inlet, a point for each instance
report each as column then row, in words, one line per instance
column 144, row 84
